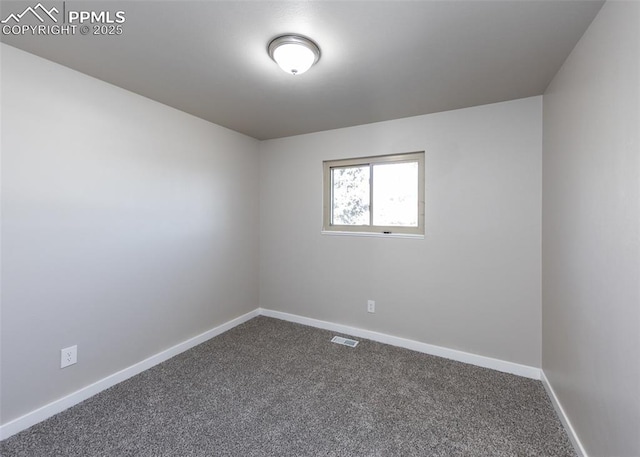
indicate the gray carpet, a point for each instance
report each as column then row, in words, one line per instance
column 272, row 388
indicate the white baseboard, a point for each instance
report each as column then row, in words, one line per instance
column 573, row 437
column 57, row 406
column 466, row 357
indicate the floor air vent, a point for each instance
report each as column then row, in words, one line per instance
column 344, row 341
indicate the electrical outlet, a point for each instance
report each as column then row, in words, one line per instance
column 68, row 356
column 371, row 306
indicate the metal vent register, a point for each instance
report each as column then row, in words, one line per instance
column 344, row 341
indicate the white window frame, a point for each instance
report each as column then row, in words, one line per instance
column 380, row 230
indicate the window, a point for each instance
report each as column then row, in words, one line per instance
column 383, row 194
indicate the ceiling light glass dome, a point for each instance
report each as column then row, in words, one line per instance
column 295, row 54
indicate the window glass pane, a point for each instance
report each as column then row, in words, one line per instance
column 350, row 195
column 395, row 194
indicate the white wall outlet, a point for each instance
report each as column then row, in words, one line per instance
column 68, row 356
column 371, row 306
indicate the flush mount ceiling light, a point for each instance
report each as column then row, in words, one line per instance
column 295, row 54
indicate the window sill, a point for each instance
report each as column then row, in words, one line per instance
column 373, row 234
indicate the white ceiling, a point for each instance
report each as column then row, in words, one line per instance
column 380, row 60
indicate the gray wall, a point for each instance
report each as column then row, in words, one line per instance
column 127, row 227
column 472, row 284
column 591, row 234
